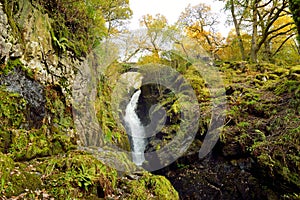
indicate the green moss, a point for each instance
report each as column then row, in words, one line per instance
column 287, row 86
column 13, row 109
column 15, row 179
column 280, row 71
column 22, row 181
column 113, row 132
column 27, row 144
column 151, row 187
column 277, row 155
column 77, row 32
column 113, row 158
column 295, row 69
column 10, row 66
column 6, row 166
column 77, row 175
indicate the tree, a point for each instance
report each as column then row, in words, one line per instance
column 232, row 50
column 239, row 11
column 115, row 12
column 268, row 13
column 200, row 23
column 259, row 17
column 278, row 39
column 295, row 9
column 154, row 26
column 147, row 42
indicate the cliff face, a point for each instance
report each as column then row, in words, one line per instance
column 27, row 35
column 39, row 156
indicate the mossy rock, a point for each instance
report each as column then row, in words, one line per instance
column 150, row 187
column 113, row 158
column 280, row 72
column 295, row 70
column 287, row 86
column 13, row 109
column 23, row 143
column 294, row 76
column 6, row 166
column 273, row 76
column 76, row 174
column 12, row 116
column 29, row 144
column 16, row 178
column 9, row 66
column 262, row 77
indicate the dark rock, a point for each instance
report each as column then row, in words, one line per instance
column 31, row 90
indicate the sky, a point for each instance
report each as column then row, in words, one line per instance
column 172, row 9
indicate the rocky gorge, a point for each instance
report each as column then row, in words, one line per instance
column 47, row 152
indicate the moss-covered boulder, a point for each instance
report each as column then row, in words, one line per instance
column 16, row 178
column 148, row 186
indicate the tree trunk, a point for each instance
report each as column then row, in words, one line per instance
column 254, row 32
column 267, row 51
column 237, row 30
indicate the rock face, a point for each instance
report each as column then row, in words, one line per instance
column 29, row 58
column 8, row 43
column 31, row 42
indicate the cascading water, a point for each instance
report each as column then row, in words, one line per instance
column 136, row 130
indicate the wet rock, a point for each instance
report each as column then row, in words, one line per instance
column 32, row 91
column 36, row 50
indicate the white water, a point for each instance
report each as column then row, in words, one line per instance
column 136, row 130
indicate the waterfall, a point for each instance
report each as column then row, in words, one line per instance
column 136, row 130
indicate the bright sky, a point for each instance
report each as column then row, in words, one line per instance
column 171, row 9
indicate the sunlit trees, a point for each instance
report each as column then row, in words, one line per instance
column 147, row 42
column 232, row 49
column 239, row 11
column 154, row 26
column 282, row 32
column 200, row 23
column 268, row 13
column 268, row 22
column 115, row 12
